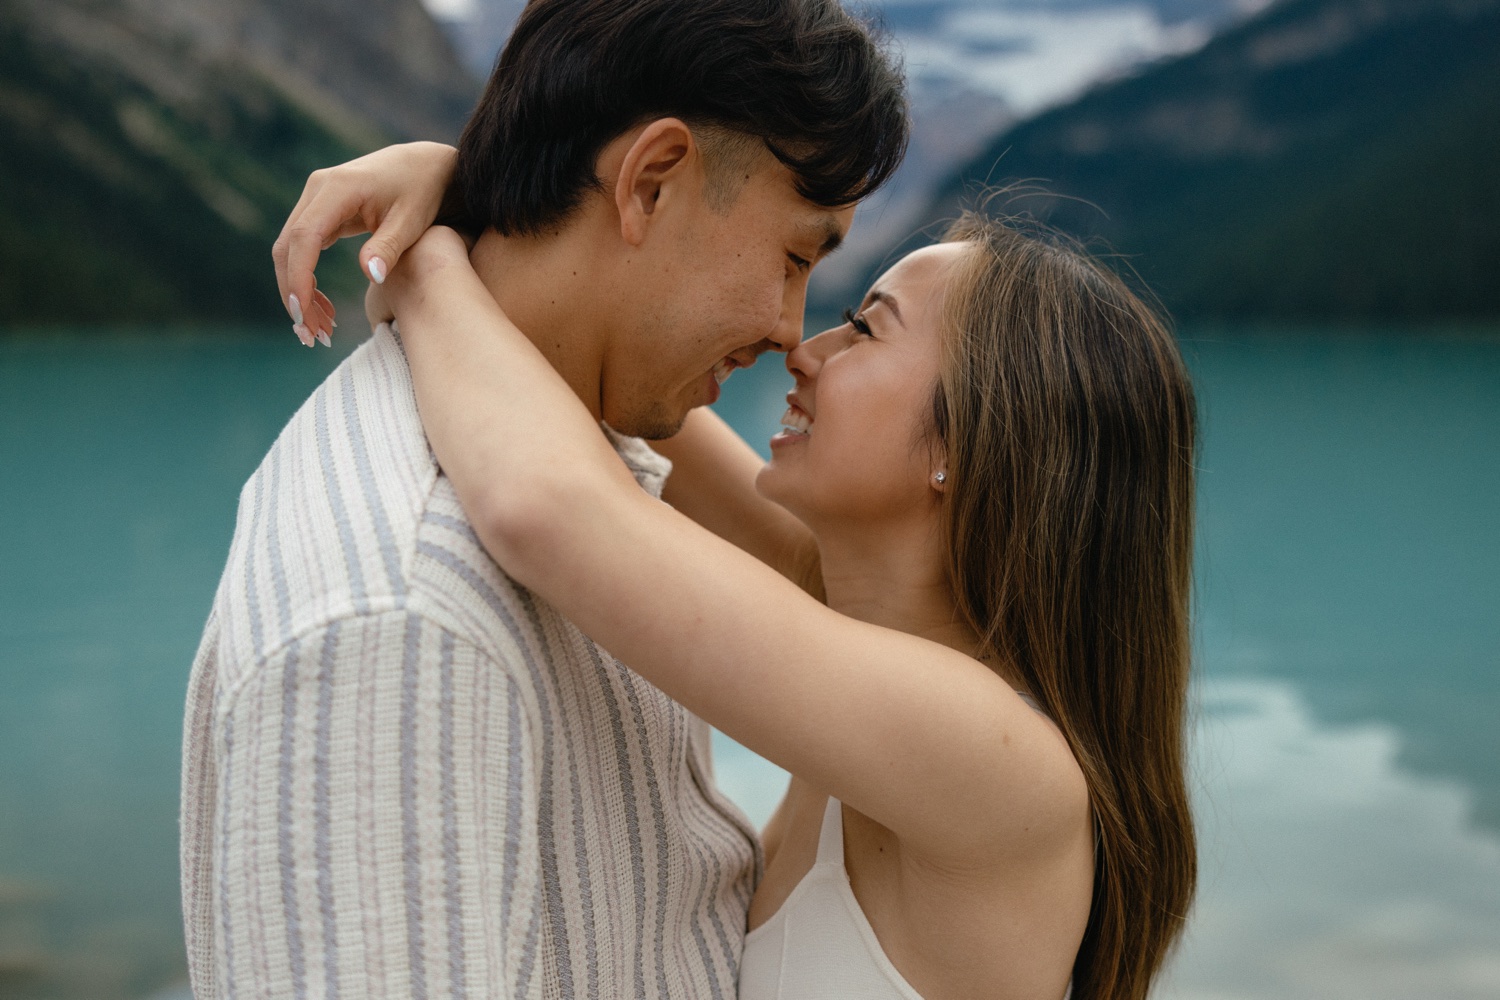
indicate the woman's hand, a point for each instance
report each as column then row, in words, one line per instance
column 377, row 307
column 395, row 193
column 438, row 248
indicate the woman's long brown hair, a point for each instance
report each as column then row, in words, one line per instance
column 1068, row 421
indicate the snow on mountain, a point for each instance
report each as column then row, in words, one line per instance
column 975, row 67
column 1032, row 55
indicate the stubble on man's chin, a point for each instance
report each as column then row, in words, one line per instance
column 654, row 422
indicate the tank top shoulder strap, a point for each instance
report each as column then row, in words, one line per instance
column 831, row 839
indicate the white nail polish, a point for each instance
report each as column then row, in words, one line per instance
column 303, row 334
column 377, row 270
column 323, row 338
column 295, row 308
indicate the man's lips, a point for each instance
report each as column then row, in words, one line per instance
column 745, row 357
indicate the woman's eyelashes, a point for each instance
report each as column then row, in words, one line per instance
column 800, row 263
column 857, row 320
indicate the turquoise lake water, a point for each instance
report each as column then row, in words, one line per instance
column 1347, row 773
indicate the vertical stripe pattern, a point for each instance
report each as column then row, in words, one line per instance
column 322, row 842
column 406, row 776
column 411, row 847
column 451, row 885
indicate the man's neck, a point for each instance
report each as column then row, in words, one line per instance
column 543, row 284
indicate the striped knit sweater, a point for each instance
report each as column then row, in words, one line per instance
column 405, row 776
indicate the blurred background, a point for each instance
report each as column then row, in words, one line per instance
column 1311, row 186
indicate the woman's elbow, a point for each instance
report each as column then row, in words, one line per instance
column 527, row 527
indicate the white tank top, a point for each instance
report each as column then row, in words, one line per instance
column 819, row 944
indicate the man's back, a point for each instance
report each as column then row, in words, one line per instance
column 404, row 776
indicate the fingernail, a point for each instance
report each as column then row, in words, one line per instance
column 323, row 338
column 377, row 270
column 295, row 308
column 334, row 322
column 303, row 334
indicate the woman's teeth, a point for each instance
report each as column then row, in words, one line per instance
column 796, row 421
column 722, row 370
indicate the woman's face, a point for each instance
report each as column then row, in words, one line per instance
column 853, row 444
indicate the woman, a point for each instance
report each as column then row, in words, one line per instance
column 953, row 605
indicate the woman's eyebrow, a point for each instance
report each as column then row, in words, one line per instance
column 890, row 302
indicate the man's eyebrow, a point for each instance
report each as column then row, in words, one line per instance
column 828, row 230
column 890, row 302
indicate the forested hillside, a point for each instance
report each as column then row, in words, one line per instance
column 151, row 150
column 1330, row 160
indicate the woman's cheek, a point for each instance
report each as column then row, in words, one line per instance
column 861, row 467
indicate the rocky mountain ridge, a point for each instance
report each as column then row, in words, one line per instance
column 375, row 67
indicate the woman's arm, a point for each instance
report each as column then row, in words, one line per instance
column 920, row 738
column 713, row 482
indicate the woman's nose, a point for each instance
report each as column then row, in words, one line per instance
column 807, row 359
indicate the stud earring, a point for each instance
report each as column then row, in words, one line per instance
column 941, row 477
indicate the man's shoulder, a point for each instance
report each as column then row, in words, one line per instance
column 349, row 515
column 327, row 525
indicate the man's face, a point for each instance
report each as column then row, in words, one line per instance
column 711, row 290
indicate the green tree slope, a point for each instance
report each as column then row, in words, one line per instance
column 116, row 207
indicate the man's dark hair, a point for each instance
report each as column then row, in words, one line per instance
column 803, row 76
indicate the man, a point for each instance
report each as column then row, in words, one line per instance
column 404, row 776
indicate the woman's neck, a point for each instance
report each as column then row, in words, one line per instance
column 897, row 581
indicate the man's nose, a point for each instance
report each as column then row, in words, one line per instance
column 788, row 332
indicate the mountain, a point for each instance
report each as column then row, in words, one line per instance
column 1326, row 160
column 152, row 148
column 973, row 44
column 478, row 28
column 974, row 67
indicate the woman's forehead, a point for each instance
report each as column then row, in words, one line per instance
column 915, row 283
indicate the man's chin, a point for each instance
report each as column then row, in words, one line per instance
column 655, row 424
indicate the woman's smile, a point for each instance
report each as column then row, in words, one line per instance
column 796, row 425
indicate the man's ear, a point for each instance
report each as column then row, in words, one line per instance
column 652, row 172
